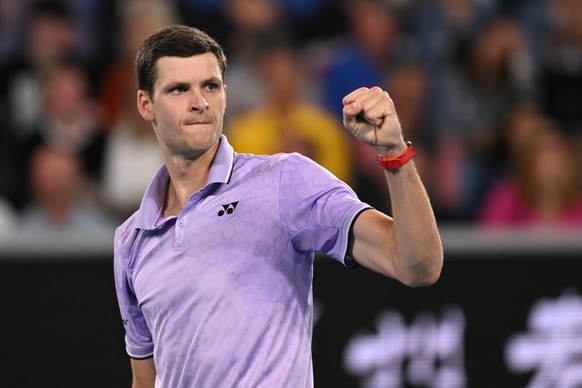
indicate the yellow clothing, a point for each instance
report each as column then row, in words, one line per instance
column 304, row 129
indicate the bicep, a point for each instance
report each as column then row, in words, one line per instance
column 372, row 242
column 144, row 373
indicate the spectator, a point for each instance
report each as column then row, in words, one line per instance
column 250, row 20
column 132, row 154
column 444, row 27
column 544, row 187
column 366, row 56
column 469, row 105
column 70, row 120
column 60, row 198
column 479, row 60
column 138, row 18
column 311, row 19
column 287, row 122
column 48, row 37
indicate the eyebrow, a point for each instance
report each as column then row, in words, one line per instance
column 212, row 80
column 174, row 84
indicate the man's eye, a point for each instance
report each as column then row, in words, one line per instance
column 211, row 86
column 178, row 90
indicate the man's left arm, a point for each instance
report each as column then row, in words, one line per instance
column 406, row 246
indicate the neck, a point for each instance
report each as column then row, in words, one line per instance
column 186, row 177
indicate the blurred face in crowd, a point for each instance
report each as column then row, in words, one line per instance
column 67, row 94
column 50, row 37
column 552, row 167
column 55, row 177
column 187, row 104
column 253, row 15
column 373, row 25
column 279, row 69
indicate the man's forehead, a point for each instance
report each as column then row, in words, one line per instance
column 200, row 66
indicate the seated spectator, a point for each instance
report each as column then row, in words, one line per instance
column 545, row 185
column 286, row 121
column 249, row 20
column 368, row 53
column 47, row 35
column 132, row 154
column 468, row 106
column 60, row 200
column 137, row 19
column 443, row 27
column 69, row 120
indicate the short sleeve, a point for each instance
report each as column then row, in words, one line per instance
column 138, row 339
column 317, row 208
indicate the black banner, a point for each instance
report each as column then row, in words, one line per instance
column 507, row 321
column 503, row 320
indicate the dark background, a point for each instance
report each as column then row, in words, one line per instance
column 60, row 325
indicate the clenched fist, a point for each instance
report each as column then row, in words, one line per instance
column 370, row 115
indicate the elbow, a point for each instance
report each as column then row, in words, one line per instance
column 421, row 281
column 425, row 274
column 427, row 279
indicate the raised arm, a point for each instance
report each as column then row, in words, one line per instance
column 406, row 247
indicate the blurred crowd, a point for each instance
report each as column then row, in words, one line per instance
column 489, row 92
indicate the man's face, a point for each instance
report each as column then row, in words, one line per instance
column 187, row 106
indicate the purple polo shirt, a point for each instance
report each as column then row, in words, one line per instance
column 221, row 295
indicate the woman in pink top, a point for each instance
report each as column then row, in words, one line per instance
column 545, row 188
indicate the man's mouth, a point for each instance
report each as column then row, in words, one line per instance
column 197, row 122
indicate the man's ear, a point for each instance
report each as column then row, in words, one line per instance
column 144, row 106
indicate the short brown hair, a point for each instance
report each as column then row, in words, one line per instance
column 173, row 41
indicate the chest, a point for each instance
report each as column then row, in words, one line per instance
column 220, row 249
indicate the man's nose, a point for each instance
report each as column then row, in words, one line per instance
column 198, row 103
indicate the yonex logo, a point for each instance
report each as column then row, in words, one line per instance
column 228, row 208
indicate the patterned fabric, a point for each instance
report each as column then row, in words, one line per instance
column 221, row 294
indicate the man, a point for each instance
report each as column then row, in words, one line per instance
column 213, row 272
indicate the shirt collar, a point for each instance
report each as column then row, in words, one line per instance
column 155, row 194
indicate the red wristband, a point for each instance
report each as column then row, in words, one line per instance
column 395, row 162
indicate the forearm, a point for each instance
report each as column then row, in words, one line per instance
column 144, row 373
column 138, row 384
column 417, row 251
column 406, row 246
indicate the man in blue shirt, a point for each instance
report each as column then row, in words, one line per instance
column 214, row 271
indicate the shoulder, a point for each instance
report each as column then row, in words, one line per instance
column 278, row 160
column 282, row 167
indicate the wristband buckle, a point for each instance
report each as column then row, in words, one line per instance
column 395, row 162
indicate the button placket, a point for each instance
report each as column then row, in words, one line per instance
column 183, row 219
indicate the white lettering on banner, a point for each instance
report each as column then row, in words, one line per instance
column 429, row 352
column 552, row 347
